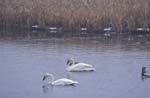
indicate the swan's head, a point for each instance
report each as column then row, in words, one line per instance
column 70, row 61
column 46, row 75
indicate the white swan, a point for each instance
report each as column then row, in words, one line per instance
column 63, row 81
column 75, row 66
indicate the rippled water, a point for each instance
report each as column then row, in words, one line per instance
column 118, row 63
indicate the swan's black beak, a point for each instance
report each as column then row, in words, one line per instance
column 68, row 62
column 44, row 77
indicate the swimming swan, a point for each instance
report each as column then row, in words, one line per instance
column 75, row 66
column 63, row 81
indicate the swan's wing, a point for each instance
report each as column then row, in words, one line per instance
column 85, row 65
column 80, row 67
column 64, row 81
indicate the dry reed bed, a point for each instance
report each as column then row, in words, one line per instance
column 121, row 15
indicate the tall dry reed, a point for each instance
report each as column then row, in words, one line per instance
column 121, row 15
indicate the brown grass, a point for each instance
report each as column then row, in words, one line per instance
column 96, row 14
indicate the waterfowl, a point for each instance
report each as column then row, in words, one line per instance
column 35, row 26
column 108, row 29
column 62, row 81
column 145, row 72
column 75, row 66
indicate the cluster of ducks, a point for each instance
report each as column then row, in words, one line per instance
column 73, row 67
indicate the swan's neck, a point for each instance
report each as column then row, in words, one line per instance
column 51, row 79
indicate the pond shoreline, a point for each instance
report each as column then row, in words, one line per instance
column 83, row 30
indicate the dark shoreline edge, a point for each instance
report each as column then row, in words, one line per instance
column 83, row 30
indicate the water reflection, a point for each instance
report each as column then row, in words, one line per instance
column 145, row 77
column 45, row 88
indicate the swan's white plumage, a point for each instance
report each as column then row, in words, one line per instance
column 62, row 81
column 79, row 66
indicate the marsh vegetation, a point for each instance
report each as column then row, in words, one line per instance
column 120, row 15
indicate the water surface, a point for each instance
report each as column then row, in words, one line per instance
column 118, row 62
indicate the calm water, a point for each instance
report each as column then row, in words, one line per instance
column 118, row 62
